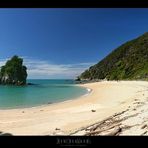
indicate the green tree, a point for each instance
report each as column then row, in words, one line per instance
column 13, row 72
column 127, row 62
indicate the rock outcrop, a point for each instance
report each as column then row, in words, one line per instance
column 13, row 72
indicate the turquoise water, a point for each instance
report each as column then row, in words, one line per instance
column 43, row 92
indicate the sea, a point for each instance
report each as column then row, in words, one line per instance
column 42, row 92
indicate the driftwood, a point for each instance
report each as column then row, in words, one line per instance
column 99, row 131
column 95, row 127
column 105, row 121
column 114, row 132
column 107, row 124
column 110, row 120
column 144, row 133
column 110, row 126
column 144, row 126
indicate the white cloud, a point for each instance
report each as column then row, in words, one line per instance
column 46, row 70
column 2, row 62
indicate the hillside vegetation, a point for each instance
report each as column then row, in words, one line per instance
column 127, row 62
column 13, row 72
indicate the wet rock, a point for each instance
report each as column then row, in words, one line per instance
column 5, row 134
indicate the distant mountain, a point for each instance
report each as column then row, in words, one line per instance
column 127, row 62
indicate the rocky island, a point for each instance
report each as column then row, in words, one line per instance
column 13, row 72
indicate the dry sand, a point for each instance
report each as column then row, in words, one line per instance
column 105, row 99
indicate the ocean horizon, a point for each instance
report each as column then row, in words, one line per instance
column 42, row 92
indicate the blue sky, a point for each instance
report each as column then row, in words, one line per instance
column 62, row 43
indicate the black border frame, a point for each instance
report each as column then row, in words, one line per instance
column 52, row 141
column 73, row 4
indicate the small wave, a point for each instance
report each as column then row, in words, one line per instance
column 89, row 90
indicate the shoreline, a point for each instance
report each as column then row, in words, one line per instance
column 63, row 118
column 48, row 104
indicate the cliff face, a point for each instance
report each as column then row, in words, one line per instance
column 13, row 72
column 127, row 62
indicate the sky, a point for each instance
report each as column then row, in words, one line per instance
column 63, row 42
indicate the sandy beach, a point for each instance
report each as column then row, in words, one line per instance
column 105, row 99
